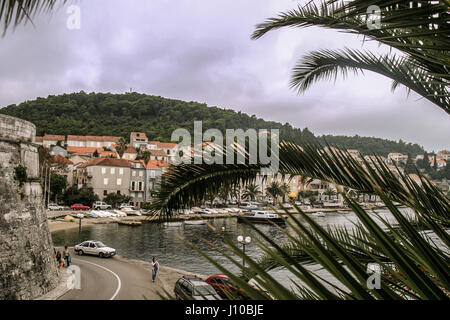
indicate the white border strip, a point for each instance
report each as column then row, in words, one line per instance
column 117, row 277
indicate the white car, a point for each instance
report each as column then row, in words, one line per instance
column 96, row 248
column 126, row 205
column 54, row 206
column 100, row 205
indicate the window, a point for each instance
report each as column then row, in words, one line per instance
column 92, row 245
column 119, row 182
column 141, row 173
column 105, row 181
column 118, row 192
column 121, row 171
column 113, row 170
column 103, row 170
column 140, row 185
column 132, row 185
column 134, row 173
column 152, row 174
column 105, row 192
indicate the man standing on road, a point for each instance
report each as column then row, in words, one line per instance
column 67, row 256
column 155, row 267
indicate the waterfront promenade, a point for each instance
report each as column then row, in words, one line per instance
column 116, row 278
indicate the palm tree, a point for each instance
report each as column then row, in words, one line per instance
column 145, row 156
column 285, row 189
column 330, row 193
column 251, row 191
column 413, row 267
column 419, row 32
column 121, row 146
column 274, row 190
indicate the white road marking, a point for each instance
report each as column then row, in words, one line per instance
column 117, row 277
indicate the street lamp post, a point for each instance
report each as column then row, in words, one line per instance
column 80, row 216
column 244, row 241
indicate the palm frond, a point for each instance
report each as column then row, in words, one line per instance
column 326, row 64
column 419, row 29
column 15, row 12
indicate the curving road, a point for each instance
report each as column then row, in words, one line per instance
column 112, row 279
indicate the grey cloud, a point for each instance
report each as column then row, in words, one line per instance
column 201, row 50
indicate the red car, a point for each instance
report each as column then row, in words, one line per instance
column 224, row 287
column 79, row 206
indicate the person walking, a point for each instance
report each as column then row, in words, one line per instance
column 59, row 259
column 67, row 256
column 155, row 267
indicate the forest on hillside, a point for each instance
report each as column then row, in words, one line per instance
column 119, row 114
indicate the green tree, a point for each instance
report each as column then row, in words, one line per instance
column 274, row 190
column 57, row 185
column 121, row 147
column 409, row 166
column 251, row 191
column 115, row 199
column 85, row 196
column 285, row 189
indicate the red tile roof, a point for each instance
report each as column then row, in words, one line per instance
column 158, row 153
column 60, row 159
column 140, row 135
column 54, row 137
column 93, row 138
column 165, row 145
column 130, row 149
column 84, row 150
column 109, row 162
column 38, row 139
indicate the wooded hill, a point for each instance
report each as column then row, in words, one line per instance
column 119, row 114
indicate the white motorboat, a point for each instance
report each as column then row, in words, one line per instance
column 131, row 212
column 318, row 214
column 195, row 222
column 173, row 224
column 259, row 216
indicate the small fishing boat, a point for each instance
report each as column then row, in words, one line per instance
column 195, row 222
column 173, row 224
column 318, row 214
column 260, row 216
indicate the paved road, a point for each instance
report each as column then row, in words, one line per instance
column 112, row 279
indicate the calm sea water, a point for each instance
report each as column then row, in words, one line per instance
column 168, row 243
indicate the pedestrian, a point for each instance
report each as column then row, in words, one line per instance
column 59, row 259
column 155, row 267
column 67, row 256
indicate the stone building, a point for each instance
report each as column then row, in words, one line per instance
column 27, row 261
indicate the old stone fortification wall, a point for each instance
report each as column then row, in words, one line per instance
column 27, row 262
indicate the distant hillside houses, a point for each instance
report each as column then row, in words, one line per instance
column 93, row 162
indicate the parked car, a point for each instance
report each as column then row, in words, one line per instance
column 96, row 248
column 287, row 205
column 194, row 288
column 100, row 205
column 79, row 206
column 54, row 206
column 126, row 205
column 225, row 287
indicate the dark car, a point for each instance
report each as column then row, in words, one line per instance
column 225, row 287
column 79, row 206
column 194, row 288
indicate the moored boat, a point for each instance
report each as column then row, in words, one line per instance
column 260, row 216
column 195, row 222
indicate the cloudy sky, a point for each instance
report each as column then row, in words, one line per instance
column 200, row 50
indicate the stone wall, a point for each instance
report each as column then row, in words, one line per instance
column 27, row 261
